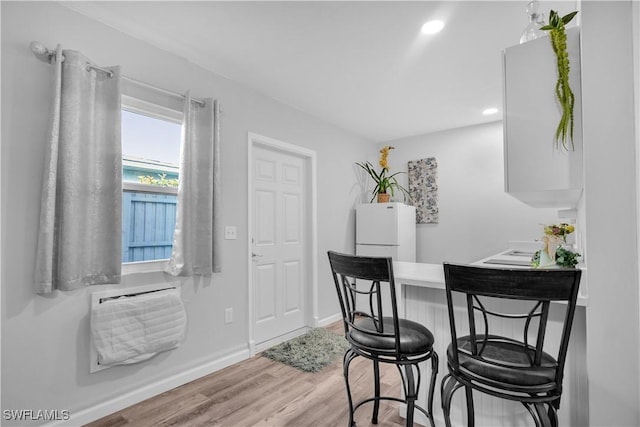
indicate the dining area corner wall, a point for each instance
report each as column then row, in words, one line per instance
column 477, row 218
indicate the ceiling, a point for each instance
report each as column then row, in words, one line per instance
column 362, row 66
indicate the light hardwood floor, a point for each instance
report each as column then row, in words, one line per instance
column 261, row 392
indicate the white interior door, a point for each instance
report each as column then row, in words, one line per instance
column 279, row 254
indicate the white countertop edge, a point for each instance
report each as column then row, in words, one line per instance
column 419, row 274
column 425, row 275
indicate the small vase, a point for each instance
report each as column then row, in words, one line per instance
column 548, row 252
column 536, row 20
column 383, row 197
column 546, row 261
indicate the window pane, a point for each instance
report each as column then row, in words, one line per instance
column 151, row 138
column 150, row 155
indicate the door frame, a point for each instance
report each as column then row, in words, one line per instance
column 311, row 297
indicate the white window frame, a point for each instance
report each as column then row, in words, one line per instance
column 155, row 111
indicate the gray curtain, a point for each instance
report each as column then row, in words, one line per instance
column 197, row 236
column 79, row 239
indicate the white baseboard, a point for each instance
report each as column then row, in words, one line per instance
column 108, row 407
column 328, row 320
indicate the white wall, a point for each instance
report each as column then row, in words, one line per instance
column 610, row 212
column 477, row 218
column 45, row 340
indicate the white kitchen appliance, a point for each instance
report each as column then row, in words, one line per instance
column 386, row 229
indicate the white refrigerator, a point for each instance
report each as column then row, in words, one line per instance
column 386, row 229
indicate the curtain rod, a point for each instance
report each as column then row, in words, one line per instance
column 44, row 54
column 163, row 90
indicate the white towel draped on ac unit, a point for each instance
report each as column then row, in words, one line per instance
column 131, row 329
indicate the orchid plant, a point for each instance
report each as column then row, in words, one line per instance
column 384, row 181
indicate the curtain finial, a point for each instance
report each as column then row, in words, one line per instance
column 42, row 52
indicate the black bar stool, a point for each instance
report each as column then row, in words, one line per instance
column 380, row 336
column 502, row 366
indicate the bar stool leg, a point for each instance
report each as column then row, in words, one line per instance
column 448, row 387
column 432, row 386
column 553, row 415
column 349, row 355
column 471, row 422
column 410, row 393
column 376, row 385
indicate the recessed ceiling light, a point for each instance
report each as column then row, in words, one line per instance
column 489, row 111
column 432, row 27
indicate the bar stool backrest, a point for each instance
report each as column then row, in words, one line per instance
column 369, row 280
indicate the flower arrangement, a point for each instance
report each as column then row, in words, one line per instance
column 557, row 231
column 556, row 28
column 553, row 253
column 383, row 181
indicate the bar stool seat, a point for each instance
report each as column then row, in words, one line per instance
column 414, row 338
column 493, row 368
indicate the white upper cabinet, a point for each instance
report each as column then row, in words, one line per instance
column 536, row 171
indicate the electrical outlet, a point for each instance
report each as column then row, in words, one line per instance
column 228, row 315
column 230, row 232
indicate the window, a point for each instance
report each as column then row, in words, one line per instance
column 151, row 137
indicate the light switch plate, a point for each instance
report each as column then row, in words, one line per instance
column 230, row 232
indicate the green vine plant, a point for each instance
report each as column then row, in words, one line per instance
column 556, row 28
